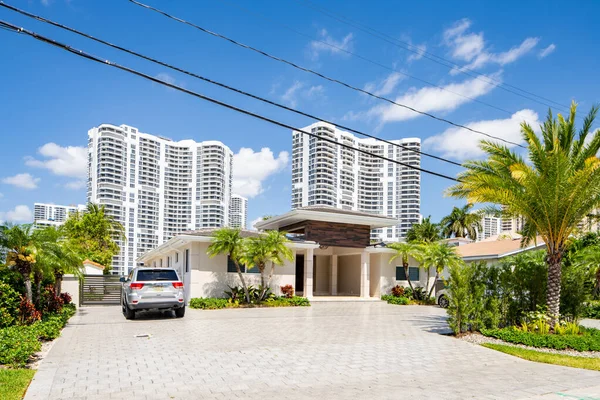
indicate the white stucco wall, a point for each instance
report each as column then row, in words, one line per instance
column 322, row 275
column 349, row 275
column 388, row 274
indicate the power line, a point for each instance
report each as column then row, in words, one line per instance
column 319, row 74
column 88, row 56
column 53, row 23
column 430, row 56
column 353, row 54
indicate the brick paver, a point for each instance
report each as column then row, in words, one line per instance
column 327, row 351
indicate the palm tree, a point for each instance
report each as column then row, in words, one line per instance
column 438, row 255
column 553, row 189
column 425, row 232
column 589, row 258
column 404, row 251
column 279, row 251
column 229, row 241
column 461, row 223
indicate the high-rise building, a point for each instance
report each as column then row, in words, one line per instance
column 490, row 226
column 157, row 187
column 238, row 211
column 52, row 214
column 325, row 174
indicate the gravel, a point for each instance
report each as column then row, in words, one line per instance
column 477, row 338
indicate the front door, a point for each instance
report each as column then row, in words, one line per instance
column 299, row 273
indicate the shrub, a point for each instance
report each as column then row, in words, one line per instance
column 17, row 345
column 66, row 298
column 210, row 303
column 27, row 312
column 297, row 301
column 591, row 309
column 9, row 305
column 460, row 307
column 401, row 301
column 50, row 301
column 588, row 340
column 48, row 329
column 398, row 291
column 287, row 291
column 418, row 293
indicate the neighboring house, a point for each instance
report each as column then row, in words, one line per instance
column 92, row 268
column 332, row 257
column 497, row 247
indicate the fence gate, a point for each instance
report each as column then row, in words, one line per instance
column 99, row 290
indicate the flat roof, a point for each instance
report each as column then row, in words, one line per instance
column 496, row 248
column 326, row 214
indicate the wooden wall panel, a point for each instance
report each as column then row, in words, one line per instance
column 335, row 234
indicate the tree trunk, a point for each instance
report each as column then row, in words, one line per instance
column 28, row 294
column 37, row 280
column 405, row 265
column 262, row 282
column 437, row 275
column 428, row 275
column 271, row 274
column 58, row 283
column 554, row 260
column 239, row 271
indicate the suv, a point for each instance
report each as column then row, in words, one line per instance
column 152, row 288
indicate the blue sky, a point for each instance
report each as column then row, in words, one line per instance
column 49, row 99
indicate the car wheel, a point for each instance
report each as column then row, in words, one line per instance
column 443, row 301
column 127, row 312
column 180, row 312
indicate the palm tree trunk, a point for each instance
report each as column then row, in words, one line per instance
column 271, row 274
column 239, row 271
column 437, row 275
column 37, row 280
column 27, row 282
column 428, row 275
column 58, row 277
column 262, row 281
column 408, row 278
column 554, row 279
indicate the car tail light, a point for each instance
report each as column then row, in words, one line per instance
column 178, row 285
column 136, row 285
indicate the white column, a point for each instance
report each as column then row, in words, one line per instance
column 308, row 273
column 334, row 275
column 364, row 274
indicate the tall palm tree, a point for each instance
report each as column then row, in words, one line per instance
column 438, row 255
column 553, row 189
column 404, row 251
column 229, row 241
column 461, row 223
column 280, row 252
column 425, row 232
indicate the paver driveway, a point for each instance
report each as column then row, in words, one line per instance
column 327, row 351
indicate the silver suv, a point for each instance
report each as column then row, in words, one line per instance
column 152, row 288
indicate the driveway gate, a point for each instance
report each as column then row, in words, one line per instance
column 99, row 290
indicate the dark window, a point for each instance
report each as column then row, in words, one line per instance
column 156, row 275
column 186, row 260
column 231, row 267
column 413, row 272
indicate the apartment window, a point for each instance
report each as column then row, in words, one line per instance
column 413, row 273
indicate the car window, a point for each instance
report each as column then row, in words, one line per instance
column 156, row 275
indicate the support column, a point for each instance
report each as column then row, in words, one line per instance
column 364, row 274
column 308, row 273
column 334, row 275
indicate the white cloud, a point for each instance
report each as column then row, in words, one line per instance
column 21, row 213
column 254, row 222
column 64, row 161
column 163, row 76
column 385, row 86
column 461, row 144
column 471, row 48
column 299, row 90
column 418, row 49
column 251, row 169
column 328, row 44
column 427, row 99
column 315, row 91
column 547, row 51
column 24, row 181
column 45, row 2
column 290, row 96
column 76, row 185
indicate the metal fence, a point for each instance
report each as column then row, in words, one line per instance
column 99, row 290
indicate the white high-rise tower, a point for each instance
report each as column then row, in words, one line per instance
column 156, row 187
column 334, row 176
column 238, row 211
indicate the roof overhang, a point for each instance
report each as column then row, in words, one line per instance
column 507, row 254
column 296, row 216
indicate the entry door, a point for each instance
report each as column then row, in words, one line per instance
column 299, row 272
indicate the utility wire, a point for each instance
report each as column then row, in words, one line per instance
column 114, row 46
column 319, row 74
column 430, row 56
column 88, row 56
column 353, row 54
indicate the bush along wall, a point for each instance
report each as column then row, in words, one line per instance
column 212, row 303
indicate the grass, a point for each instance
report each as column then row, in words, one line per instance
column 548, row 358
column 14, row 383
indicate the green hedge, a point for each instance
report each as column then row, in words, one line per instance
column 592, row 310
column 401, row 301
column 212, row 303
column 19, row 343
column 589, row 340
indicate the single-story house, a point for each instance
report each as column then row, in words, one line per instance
column 497, row 247
column 92, row 268
column 333, row 256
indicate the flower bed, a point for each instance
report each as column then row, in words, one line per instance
column 213, row 303
column 586, row 340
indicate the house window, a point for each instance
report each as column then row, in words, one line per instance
column 186, row 261
column 231, row 267
column 177, row 257
column 413, row 273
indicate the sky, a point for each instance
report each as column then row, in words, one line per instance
column 49, row 99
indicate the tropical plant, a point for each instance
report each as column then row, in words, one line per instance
column 589, row 258
column 553, row 190
column 461, row 223
column 438, row 255
column 404, row 251
column 424, row 232
column 94, row 233
column 229, row 241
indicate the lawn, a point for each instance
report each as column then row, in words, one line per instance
column 14, row 382
column 548, row 358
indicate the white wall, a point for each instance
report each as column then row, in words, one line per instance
column 349, row 275
column 70, row 284
column 322, row 275
column 388, row 274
